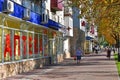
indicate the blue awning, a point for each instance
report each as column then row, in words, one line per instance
column 1, row 3
column 53, row 24
column 34, row 17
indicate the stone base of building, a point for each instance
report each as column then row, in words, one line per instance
column 10, row 69
column 13, row 68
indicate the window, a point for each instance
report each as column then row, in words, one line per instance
column 17, row 45
column 24, row 45
column 27, row 4
column 30, row 42
column 41, row 45
column 36, row 47
column 45, row 45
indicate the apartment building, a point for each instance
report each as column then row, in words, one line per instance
column 31, row 35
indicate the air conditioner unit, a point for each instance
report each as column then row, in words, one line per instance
column 44, row 18
column 26, row 14
column 8, row 6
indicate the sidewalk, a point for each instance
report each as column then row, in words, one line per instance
column 92, row 67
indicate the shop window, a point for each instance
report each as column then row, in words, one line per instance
column 0, row 45
column 45, row 45
column 51, row 47
column 56, row 45
column 17, row 45
column 30, row 40
column 24, row 45
column 61, row 45
column 7, row 45
column 41, row 45
column 36, row 45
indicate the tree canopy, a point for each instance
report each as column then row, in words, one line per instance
column 104, row 13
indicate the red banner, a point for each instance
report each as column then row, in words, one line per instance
column 7, row 46
column 24, row 38
column 35, row 45
column 41, row 44
column 30, row 45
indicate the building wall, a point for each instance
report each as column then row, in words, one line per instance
column 11, row 69
column 68, row 22
column 77, row 40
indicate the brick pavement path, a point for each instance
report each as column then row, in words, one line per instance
column 92, row 67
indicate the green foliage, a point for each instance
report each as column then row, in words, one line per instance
column 117, row 63
column 105, row 14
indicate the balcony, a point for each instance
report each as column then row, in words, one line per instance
column 56, row 5
column 55, row 17
column 69, row 27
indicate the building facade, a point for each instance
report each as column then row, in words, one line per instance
column 91, row 37
column 78, row 39
column 68, row 23
column 85, row 33
column 30, row 35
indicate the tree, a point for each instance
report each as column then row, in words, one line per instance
column 105, row 14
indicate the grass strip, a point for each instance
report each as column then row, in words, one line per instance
column 117, row 63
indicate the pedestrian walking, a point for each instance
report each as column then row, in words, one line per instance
column 96, row 49
column 109, row 53
column 79, row 53
column 93, row 49
column 114, row 50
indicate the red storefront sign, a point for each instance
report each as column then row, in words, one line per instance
column 24, row 38
column 7, row 48
column 30, row 45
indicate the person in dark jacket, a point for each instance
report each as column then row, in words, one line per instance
column 108, row 53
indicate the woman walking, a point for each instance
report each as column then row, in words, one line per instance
column 79, row 54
